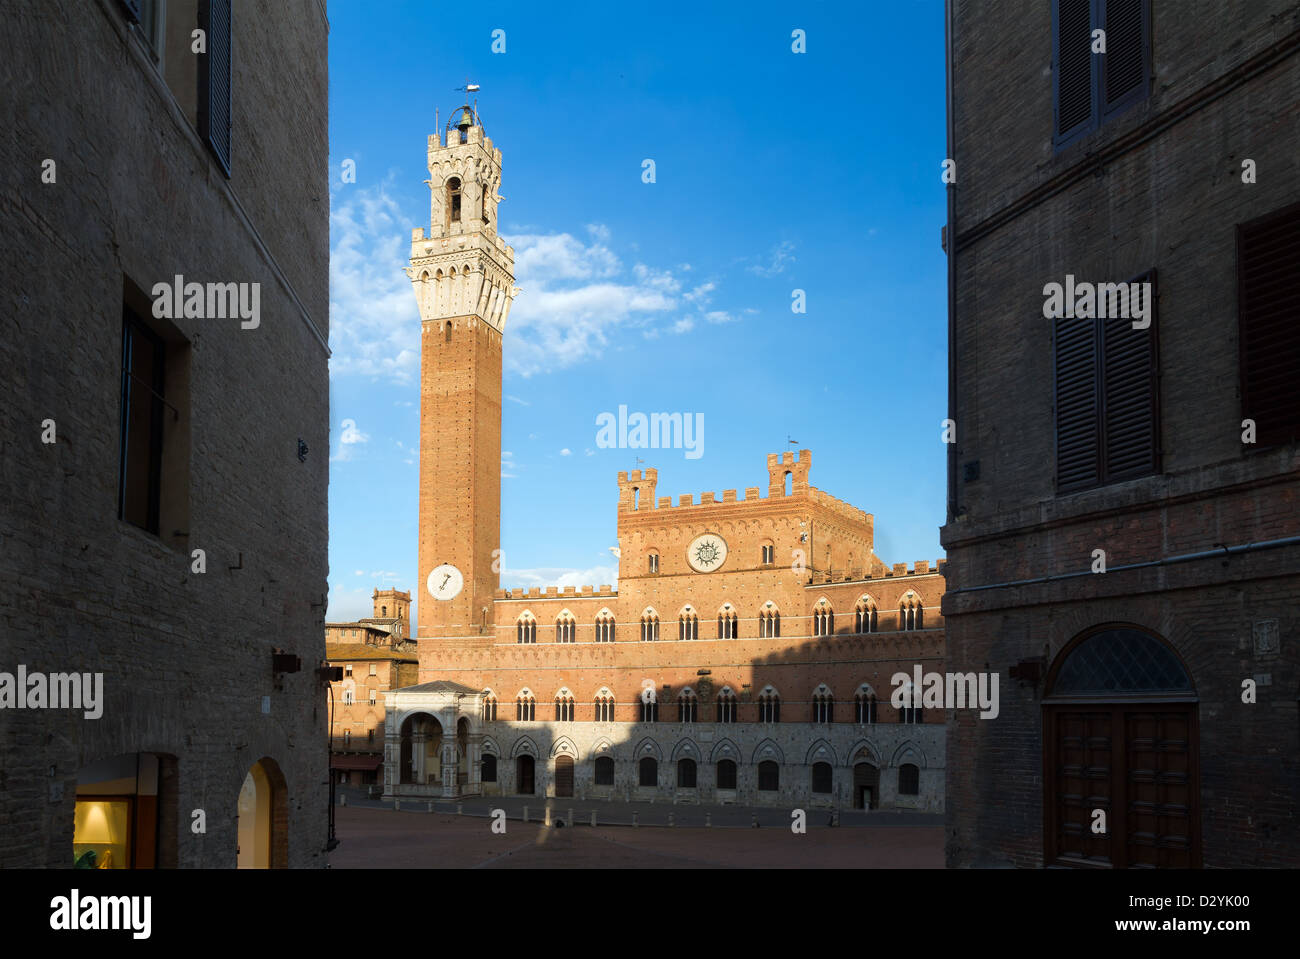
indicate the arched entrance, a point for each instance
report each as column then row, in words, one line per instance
column 524, row 775
column 866, row 785
column 1121, row 750
column 564, row 776
column 421, row 750
column 263, row 812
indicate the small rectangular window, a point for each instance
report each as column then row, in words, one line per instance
column 143, row 405
column 374, row 669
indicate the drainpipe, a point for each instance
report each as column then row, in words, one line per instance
column 951, row 244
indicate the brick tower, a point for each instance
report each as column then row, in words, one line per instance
column 463, row 274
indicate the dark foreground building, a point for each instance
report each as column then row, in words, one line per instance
column 162, row 540
column 1124, row 518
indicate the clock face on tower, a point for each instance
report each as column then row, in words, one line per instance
column 445, row 582
column 707, row 552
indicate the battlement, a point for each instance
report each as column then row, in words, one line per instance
column 922, row 567
column 557, row 592
column 475, row 136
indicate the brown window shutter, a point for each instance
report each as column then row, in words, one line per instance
column 1078, row 448
column 1268, row 291
column 1130, row 399
column 215, row 79
column 1072, row 67
column 1126, row 63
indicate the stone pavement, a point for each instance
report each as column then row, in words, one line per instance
column 374, row 837
column 647, row 814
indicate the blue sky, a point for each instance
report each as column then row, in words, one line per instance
column 775, row 171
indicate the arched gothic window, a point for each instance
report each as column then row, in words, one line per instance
column 604, row 706
column 453, row 200
column 563, row 706
column 728, row 623
column 566, row 628
column 726, row 705
column 865, row 616
column 525, row 707
column 489, row 705
column 864, row 705
column 605, row 627
column 687, row 706
column 823, row 704
column 769, row 622
column 769, row 706
column 649, row 626
column 823, row 619
column 526, row 629
column 688, row 625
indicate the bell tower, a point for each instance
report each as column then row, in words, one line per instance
column 463, row 276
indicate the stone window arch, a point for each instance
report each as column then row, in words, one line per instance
column 489, row 706
column 728, row 622
column 769, row 621
column 823, row 618
column 864, row 705
column 823, row 705
column 566, row 627
column 688, row 624
column 865, row 615
column 604, row 626
column 453, row 200
column 687, row 706
column 526, row 628
column 769, row 705
column 726, row 705
column 564, row 706
column 910, row 612
column 649, row 626
column 525, row 706
column 604, row 705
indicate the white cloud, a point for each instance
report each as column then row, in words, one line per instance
column 566, row 452
column 779, row 258
column 515, row 399
column 560, row 576
column 361, row 572
column 574, row 295
column 684, row 325
column 374, row 322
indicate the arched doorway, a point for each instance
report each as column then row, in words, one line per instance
column 866, row 785
column 524, row 768
column 1121, row 751
column 563, row 776
column 263, row 813
column 420, row 759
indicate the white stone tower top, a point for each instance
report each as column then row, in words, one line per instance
column 463, row 268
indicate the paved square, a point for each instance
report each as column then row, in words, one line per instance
column 383, row 838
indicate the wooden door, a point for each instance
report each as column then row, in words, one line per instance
column 564, row 776
column 1136, row 764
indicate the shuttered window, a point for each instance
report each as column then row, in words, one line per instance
column 1268, row 289
column 1090, row 88
column 215, row 79
column 1107, row 396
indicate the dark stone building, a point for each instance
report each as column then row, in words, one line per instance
column 1123, row 533
column 163, row 523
